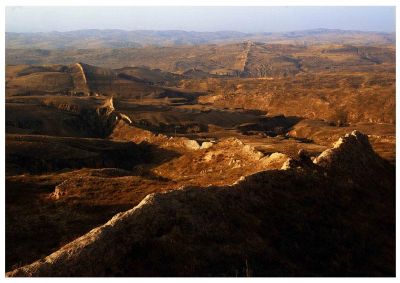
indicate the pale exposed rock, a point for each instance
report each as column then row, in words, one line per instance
column 60, row 190
column 125, row 118
column 231, row 141
column 344, row 150
column 209, row 156
column 288, row 164
column 107, row 108
column 206, row 145
column 241, row 179
column 58, row 193
column 192, row 144
column 251, row 151
column 274, row 161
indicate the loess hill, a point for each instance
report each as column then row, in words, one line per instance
column 230, row 158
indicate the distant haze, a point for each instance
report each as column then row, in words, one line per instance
column 243, row 19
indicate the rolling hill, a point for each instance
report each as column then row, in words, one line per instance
column 93, row 38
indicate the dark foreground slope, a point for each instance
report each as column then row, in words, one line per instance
column 331, row 217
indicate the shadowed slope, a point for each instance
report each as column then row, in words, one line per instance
column 302, row 221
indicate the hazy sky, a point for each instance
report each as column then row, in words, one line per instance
column 245, row 19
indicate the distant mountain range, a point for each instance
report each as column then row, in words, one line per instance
column 94, row 38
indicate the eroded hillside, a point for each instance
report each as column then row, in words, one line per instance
column 218, row 157
column 273, row 223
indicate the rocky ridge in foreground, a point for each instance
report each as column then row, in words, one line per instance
column 333, row 216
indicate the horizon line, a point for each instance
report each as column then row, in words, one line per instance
column 189, row 31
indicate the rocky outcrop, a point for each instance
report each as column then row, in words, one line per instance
column 192, row 144
column 273, row 223
column 205, row 145
column 345, row 149
column 353, row 156
column 274, row 161
column 94, row 116
column 98, row 120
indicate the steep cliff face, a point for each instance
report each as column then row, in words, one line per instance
column 101, row 120
column 331, row 217
column 79, row 79
column 94, row 116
